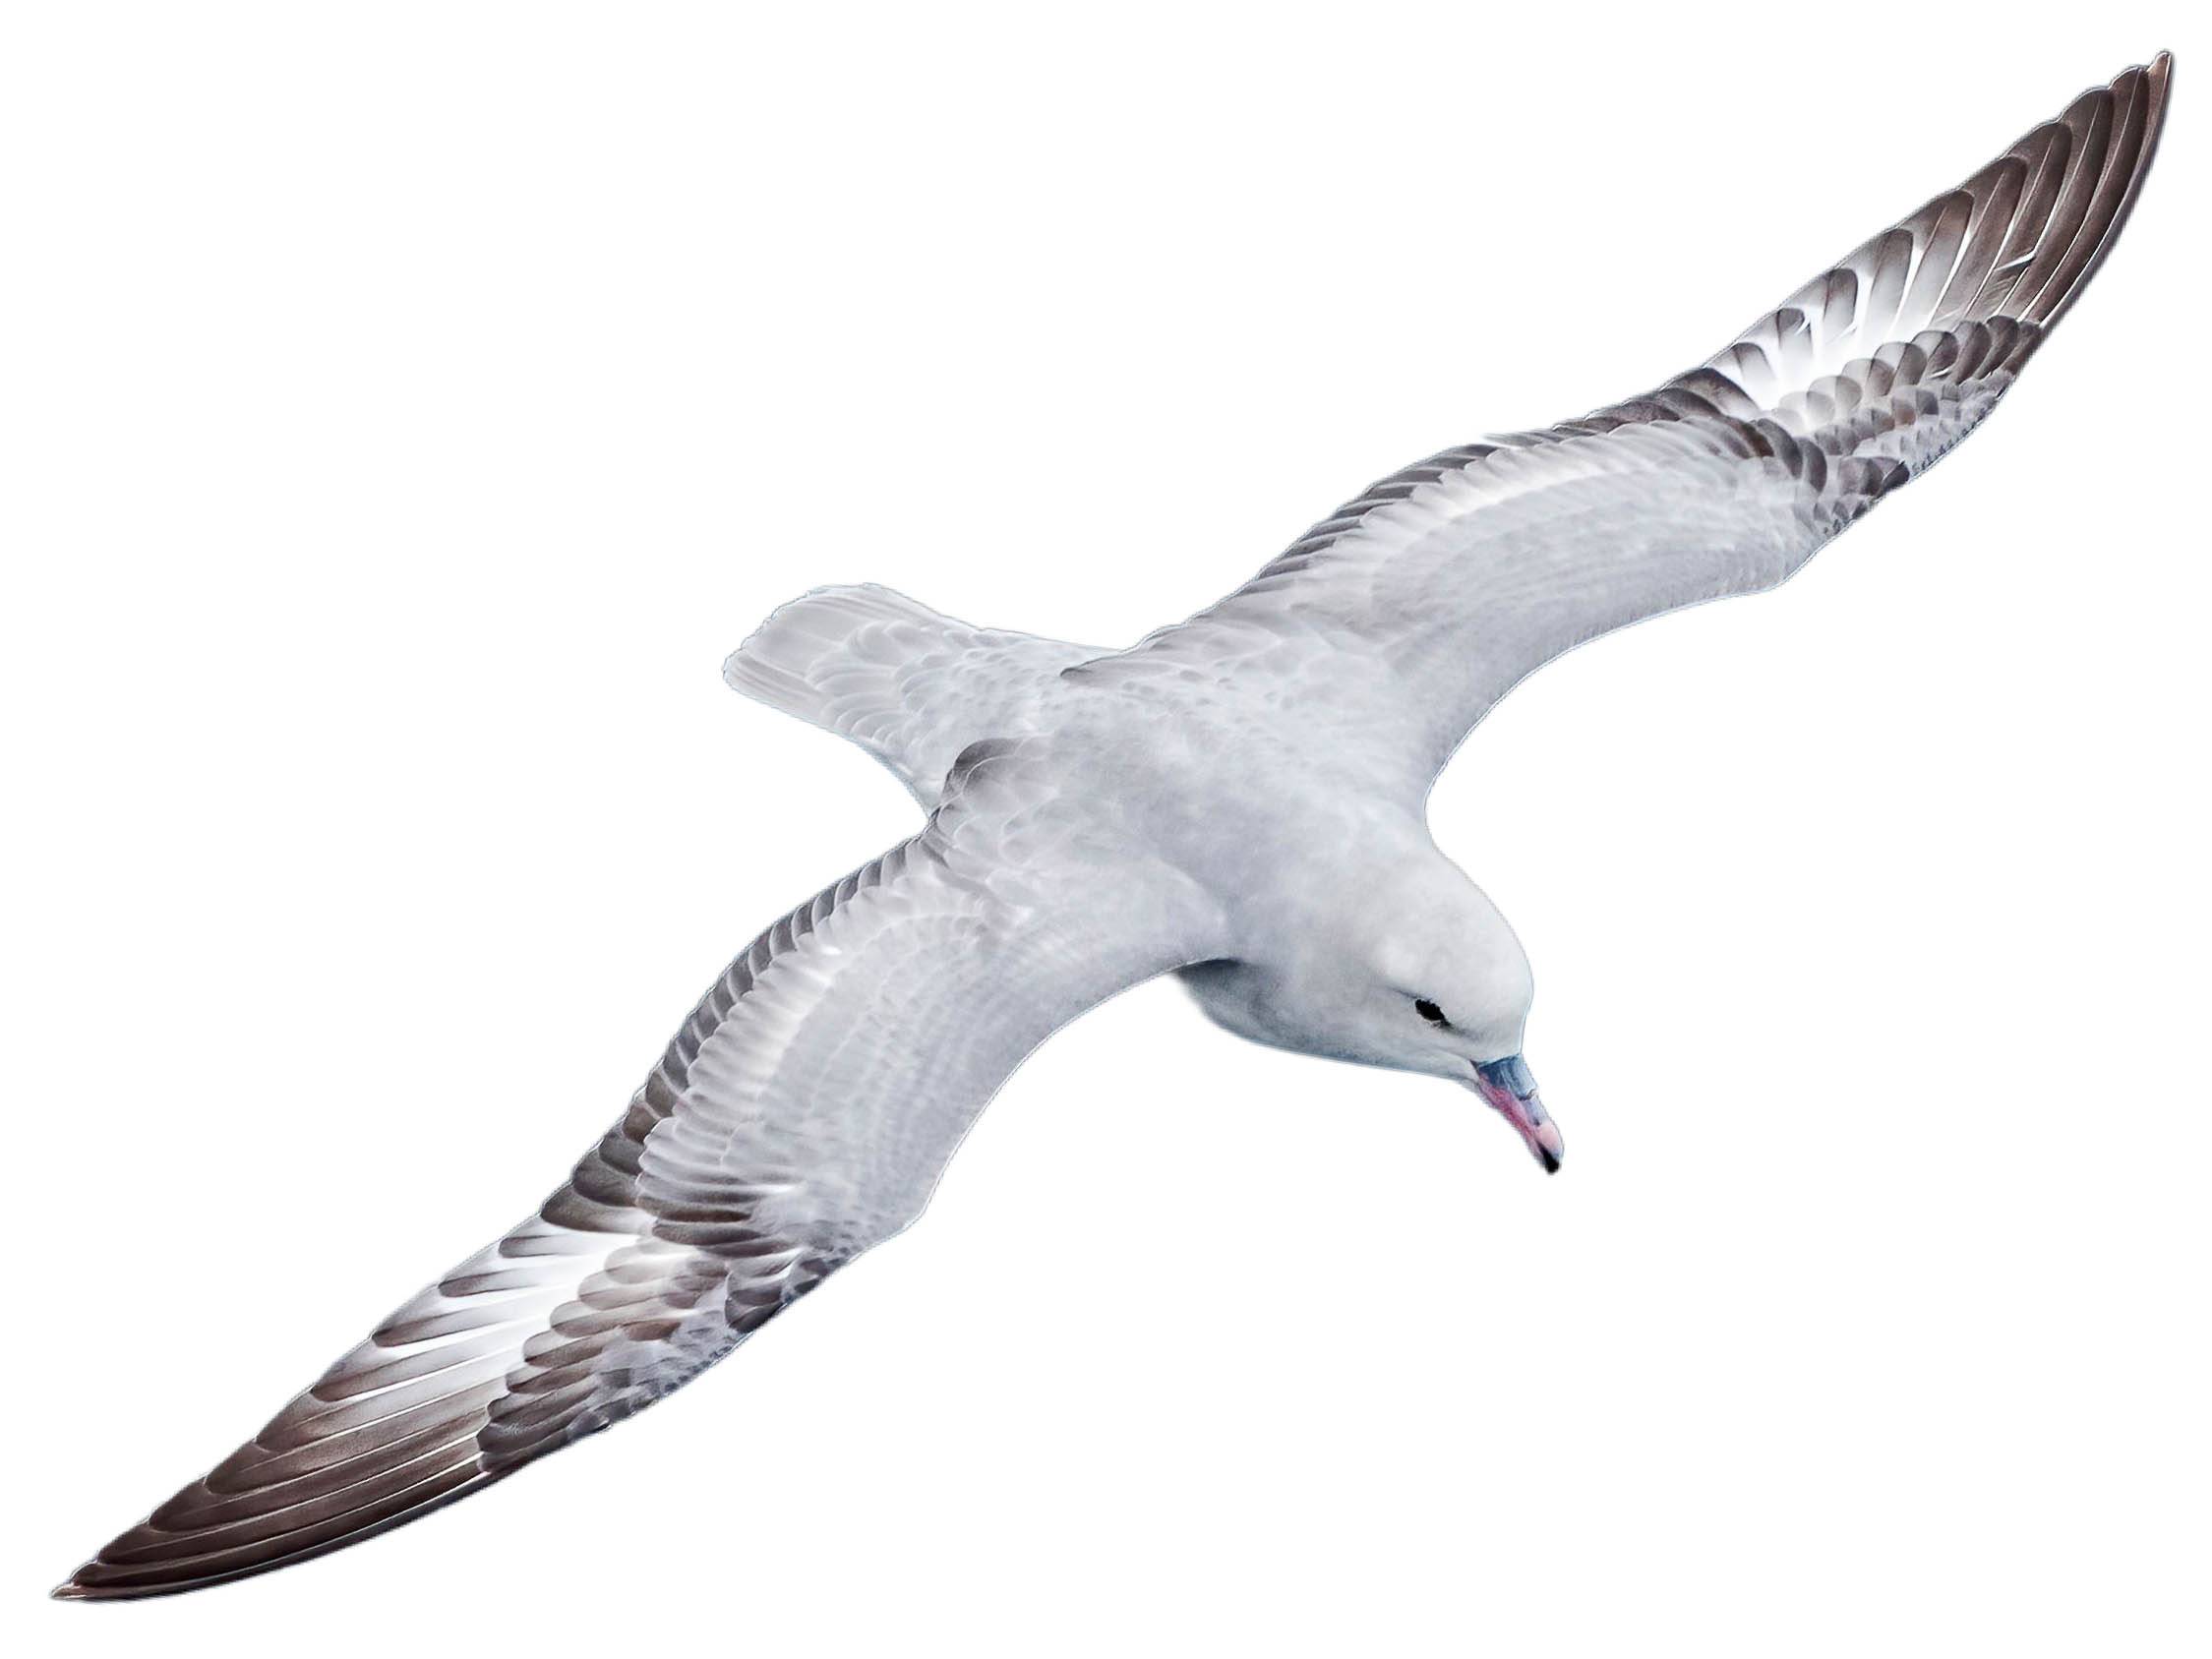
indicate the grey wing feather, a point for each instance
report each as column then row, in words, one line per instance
column 1415, row 607
column 800, row 1116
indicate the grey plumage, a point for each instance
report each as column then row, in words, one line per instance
column 1083, row 807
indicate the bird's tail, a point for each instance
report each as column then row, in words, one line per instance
column 910, row 685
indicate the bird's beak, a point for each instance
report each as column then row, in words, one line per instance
column 1510, row 1089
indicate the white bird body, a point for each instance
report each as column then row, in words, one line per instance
column 1239, row 798
column 1310, row 847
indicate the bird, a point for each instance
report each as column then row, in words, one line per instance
column 1238, row 800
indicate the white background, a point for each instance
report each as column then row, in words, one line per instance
column 407, row 407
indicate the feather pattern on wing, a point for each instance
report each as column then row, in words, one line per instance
column 1441, row 586
column 802, row 1115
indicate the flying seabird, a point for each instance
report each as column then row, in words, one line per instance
column 1238, row 800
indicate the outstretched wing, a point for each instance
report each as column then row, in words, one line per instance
column 1422, row 602
column 802, row 1115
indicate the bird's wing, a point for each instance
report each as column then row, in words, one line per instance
column 1412, row 609
column 802, row 1115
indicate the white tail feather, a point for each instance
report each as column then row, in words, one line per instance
column 910, row 685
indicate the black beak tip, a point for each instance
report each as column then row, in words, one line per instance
column 1549, row 1160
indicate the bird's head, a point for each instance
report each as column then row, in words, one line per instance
column 1450, row 994
column 1431, row 979
column 1411, row 969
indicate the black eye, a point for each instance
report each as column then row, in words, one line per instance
column 1429, row 1011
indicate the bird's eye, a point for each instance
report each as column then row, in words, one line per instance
column 1429, row 1011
